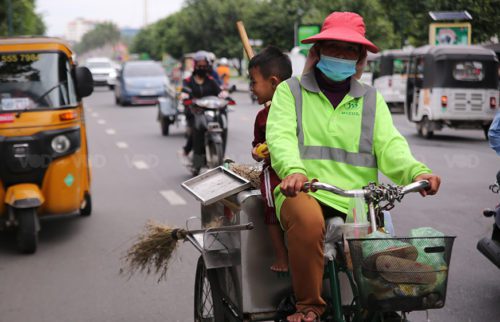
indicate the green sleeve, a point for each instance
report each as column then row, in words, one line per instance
column 393, row 154
column 281, row 133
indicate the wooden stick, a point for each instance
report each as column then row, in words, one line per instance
column 244, row 39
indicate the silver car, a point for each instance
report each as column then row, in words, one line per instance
column 104, row 71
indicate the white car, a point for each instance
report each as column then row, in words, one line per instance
column 104, row 71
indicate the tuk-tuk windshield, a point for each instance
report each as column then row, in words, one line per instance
column 35, row 81
column 400, row 66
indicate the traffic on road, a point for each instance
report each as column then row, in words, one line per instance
column 339, row 181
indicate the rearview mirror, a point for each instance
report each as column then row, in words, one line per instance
column 84, row 82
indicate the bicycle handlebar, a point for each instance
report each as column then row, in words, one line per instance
column 368, row 191
column 372, row 193
column 416, row 186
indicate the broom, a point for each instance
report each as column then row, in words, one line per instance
column 153, row 249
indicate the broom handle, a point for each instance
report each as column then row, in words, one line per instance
column 244, row 39
column 248, row 226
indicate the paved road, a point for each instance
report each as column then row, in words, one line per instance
column 74, row 275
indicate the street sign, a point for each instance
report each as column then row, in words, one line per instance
column 450, row 33
column 303, row 32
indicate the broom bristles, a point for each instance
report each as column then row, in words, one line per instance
column 249, row 172
column 151, row 252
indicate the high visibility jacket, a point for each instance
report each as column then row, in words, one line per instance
column 345, row 146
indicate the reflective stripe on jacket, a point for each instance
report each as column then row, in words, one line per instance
column 345, row 146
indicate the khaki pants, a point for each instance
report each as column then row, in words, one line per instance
column 303, row 219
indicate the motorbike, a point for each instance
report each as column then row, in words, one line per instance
column 490, row 247
column 209, row 124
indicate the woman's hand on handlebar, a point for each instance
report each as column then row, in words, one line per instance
column 292, row 184
column 434, row 182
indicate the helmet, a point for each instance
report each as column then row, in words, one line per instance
column 201, row 55
column 223, row 61
column 211, row 58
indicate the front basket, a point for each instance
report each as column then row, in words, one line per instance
column 401, row 273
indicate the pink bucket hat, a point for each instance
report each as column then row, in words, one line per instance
column 343, row 26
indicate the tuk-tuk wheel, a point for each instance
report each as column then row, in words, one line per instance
column 425, row 128
column 27, row 231
column 486, row 129
column 86, row 210
column 165, row 126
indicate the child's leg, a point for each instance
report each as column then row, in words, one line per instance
column 281, row 261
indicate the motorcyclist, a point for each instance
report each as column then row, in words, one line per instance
column 224, row 72
column 212, row 71
column 200, row 84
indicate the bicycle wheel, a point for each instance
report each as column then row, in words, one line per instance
column 204, row 307
column 214, row 292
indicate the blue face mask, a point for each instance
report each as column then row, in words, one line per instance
column 336, row 69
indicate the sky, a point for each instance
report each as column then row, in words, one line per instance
column 125, row 13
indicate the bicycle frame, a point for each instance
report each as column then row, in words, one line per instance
column 257, row 289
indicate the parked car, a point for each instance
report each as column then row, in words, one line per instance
column 103, row 70
column 141, row 82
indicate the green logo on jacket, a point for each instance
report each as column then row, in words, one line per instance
column 352, row 105
column 351, row 108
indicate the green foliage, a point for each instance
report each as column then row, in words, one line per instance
column 103, row 33
column 210, row 24
column 410, row 19
column 25, row 20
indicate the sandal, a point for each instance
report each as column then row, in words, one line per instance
column 304, row 316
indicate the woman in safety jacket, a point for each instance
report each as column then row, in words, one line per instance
column 329, row 126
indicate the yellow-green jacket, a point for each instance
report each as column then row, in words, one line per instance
column 345, row 146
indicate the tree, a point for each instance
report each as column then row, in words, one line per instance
column 25, row 20
column 210, row 24
column 410, row 19
column 103, row 33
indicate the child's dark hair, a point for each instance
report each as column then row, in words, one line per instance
column 272, row 62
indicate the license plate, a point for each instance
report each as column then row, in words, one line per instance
column 148, row 92
column 7, row 118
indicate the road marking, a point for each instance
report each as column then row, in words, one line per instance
column 101, row 121
column 173, row 198
column 110, row 131
column 122, row 145
column 141, row 165
column 94, row 114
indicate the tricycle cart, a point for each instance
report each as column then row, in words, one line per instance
column 233, row 281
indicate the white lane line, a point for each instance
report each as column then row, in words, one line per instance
column 101, row 121
column 141, row 165
column 122, row 145
column 94, row 114
column 173, row 198
column 110, row 131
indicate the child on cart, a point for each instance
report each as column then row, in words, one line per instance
column 267, row 69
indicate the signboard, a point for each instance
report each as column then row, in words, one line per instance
column 303, row 32
column 450, row 33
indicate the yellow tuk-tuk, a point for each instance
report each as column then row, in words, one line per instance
column 44, row 168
